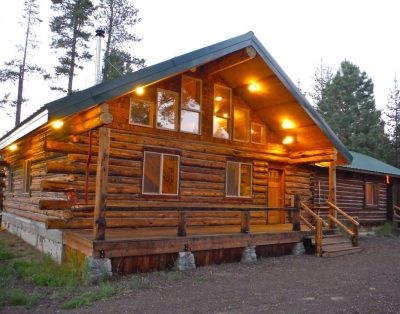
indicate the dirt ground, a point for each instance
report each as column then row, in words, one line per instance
column 366, row 282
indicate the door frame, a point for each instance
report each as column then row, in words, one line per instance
column 282, row 216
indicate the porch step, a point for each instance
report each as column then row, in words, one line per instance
column 332, row 245
column 338, row 251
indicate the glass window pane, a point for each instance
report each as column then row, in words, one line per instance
column 258, row 133
column 245, row 180
column 166, row 108
column 190, row 121
column 152, row 169
column 241, row 124
column 221, row 128
column 191, row 93
column 232, row 179
column 222, row 101
column 141, row 112
column 170, row 175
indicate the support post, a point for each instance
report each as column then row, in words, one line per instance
column 332, row 191
column 354, row 238
column 245, row 221
column 181, row 223
column 318, row 237
column 296, row 214
column 99, row 226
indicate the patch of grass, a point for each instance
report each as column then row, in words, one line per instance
column 5, row 254
column 389, row 229
column 174, row 275
column 105, row 291
column 139, row 283
column 46, row 272
column 17, row 297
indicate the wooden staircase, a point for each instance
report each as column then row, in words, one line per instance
column 327, row 240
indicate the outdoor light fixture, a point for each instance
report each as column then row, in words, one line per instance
column 288, row 140
column 13, row 147
column 139, row 90
column 253, row 87
column 218, row 98
column 225, row 115
column 57, row 124
column 287, row 124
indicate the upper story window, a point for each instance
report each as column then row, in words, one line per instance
column 258, row 133
column 160, row 173
column 190, row 105
column 241, row 124
column 141, row 112
column 222, row 112
column 238, row 179
column 371, row 194
column 167, row 105
column 26, row 176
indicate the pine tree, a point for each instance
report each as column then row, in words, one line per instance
column 348, row 106
column 16, row 69
column 118, row 18
column 393, row 114
column 70, row 34
column 322, row 76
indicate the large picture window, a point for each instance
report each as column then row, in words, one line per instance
column 238, row 179
column 371, row 194
column 160, row 173
column 222, row 112
column 241, row 124
column 258, row 133
column 167, row 102
column 141, row 112
column 26, row 176
column 190, row 105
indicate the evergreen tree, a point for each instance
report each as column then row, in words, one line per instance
column 393, row 114
column 70, row 34
column 322, row 76
column 16, row 69
column 348, row 105
column 118, row 18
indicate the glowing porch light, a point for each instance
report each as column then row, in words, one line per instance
column 57, row 124
column 225, row 115
column 218, row 98
column 13, row 147
column 287, row 124
column 288, row 140
column 253, row 87
column 139, row 91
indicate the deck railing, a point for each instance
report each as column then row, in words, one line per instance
column 353, row 233
column 396, row 213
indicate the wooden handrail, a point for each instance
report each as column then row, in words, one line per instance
column 341, row 225
column 312, row 213
column 307, row 223
column 351, row 219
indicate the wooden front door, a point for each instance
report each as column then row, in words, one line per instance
column 275, row 196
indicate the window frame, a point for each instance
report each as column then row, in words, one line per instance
column 375, row 195
column 229, row 118
column 151, row 114
column 176, row 110
column 264, row 136
column 239, row 174
column 161, row 174
column 26, row 176
column 248, row 124
column 191, row 110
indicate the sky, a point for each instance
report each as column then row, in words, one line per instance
column 298, row 34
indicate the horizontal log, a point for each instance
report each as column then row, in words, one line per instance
column 310, row 153
column 54, row 186
column 259, row 163
column 313, row 159
column 84, row 126
column 48, row 204
column 260, row 169
column 201, row 192
column 259, row 188
column 195, row 155
column 259, row 175
column 201, row 177
column 113, row 161
column 202, row 163
column 262, row 182
column 202, row 185
column 264, row 157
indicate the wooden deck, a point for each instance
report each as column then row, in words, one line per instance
column 120, row 242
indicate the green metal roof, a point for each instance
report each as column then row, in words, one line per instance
column 365, row 163
column 102, row 92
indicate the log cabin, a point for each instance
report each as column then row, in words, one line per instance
column 367, row 188
column 210, row 153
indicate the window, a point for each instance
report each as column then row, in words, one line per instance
column 160, row 173
column 241, row 124
column 222, row 112
column 191, row 105
column 167, row 102
column 141, row 112
column 26, row 176
column 10, row 181
column 371, row 194
column 258, row 133
column 238, row 179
